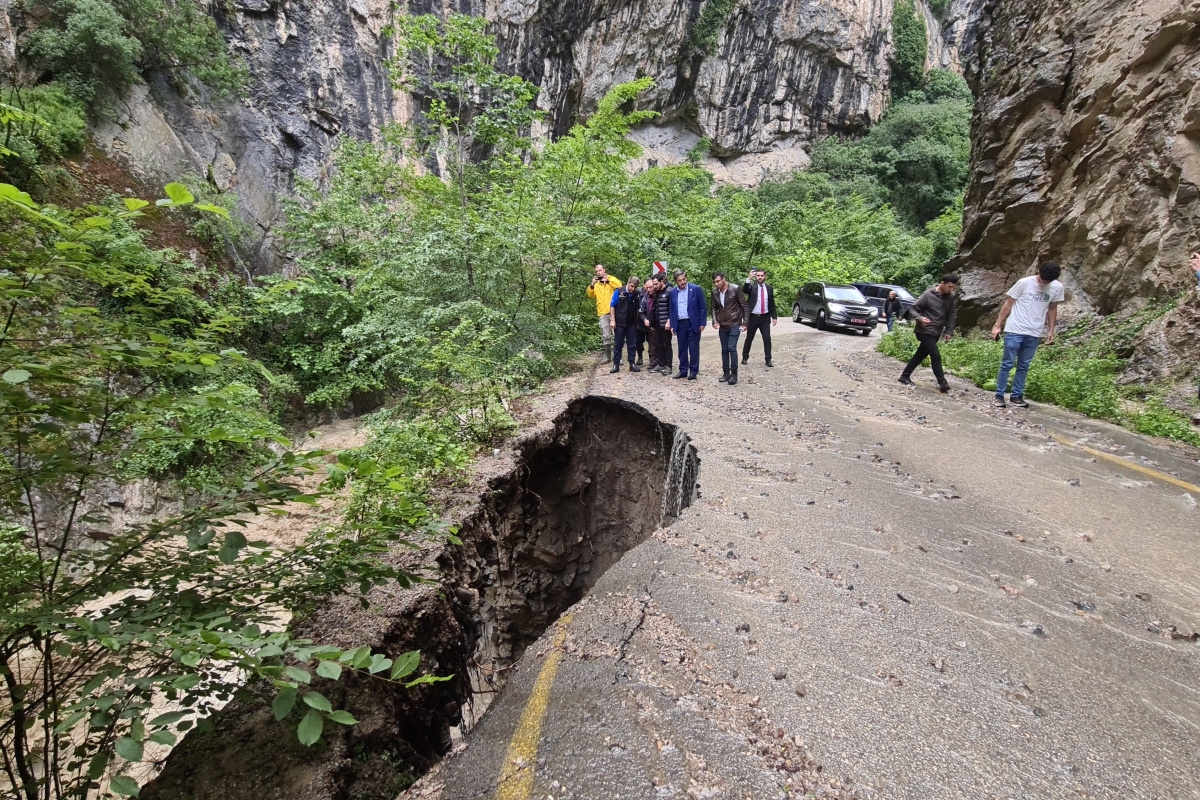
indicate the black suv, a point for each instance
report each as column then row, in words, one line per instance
column 835, row 306
column 877, row 293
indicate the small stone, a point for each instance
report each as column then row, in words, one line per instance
column 952, row 589
column 743, row 627
column 1073, row 482
column 779, row 674
column 801, row 690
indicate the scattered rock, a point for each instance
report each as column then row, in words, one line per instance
column 779, row 674
column 902, row 598
column 742, row 628
column 1073, row 482
column 952, row 589
column 1011, row 591
column 801, row 690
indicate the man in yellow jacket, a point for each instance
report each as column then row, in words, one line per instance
column 601, row 290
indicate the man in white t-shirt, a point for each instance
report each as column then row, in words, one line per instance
column 1029, row 311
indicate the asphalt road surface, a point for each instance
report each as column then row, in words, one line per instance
column 881, row 592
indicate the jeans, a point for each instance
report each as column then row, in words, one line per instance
column 689, row 348
column 606, row 330
column 891, row 321
column 729, row 339
column 928, row 347
column 1019, row 350
column 626, row 336
column 758, row 322
column 660, row 348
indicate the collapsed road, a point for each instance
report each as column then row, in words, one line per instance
column 879, row 592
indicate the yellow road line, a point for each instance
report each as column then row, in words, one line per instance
column 516, row 778
column 1191, row 487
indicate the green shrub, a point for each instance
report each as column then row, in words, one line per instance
column 706, row 31
column 1155, row 419
column 909, row 48
column 48, row 125
column 97, row 49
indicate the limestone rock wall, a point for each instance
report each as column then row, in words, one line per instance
column 779, row 74
column 1086, row 149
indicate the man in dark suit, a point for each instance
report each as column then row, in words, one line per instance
column 689, row 315
column 761, row 297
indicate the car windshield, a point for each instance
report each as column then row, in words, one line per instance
column 903, row 294
column 844, row 294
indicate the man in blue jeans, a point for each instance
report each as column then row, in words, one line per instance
column 1030, row 310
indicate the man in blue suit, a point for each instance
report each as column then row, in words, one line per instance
column 689, row 313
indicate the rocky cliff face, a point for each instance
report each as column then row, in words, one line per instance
column 771, row 76
column 1086, row 150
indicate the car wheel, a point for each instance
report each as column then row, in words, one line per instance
column 821, row 320
column 866, row 332
column 796, row 313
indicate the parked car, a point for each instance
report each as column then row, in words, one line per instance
column 877, row 293
column 835, row 306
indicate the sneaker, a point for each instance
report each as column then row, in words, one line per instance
column 1018, row 401
column 998, row 402
column 680, row 375
column 907, row 381
column 745, row 359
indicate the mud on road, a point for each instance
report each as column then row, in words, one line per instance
column 879, row 592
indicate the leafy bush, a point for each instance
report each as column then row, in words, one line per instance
column 792, row 271
column 1155, row 419
column 909, row 48
column 706, row 31
column 42, row 124
column 181, row 609
column 97, row 49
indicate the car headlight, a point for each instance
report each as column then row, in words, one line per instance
column 837, row 308
column 874, row 312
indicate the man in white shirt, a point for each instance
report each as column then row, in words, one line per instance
column 1029, row 311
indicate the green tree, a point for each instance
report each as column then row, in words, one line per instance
column 909, row 48
column 103, row 624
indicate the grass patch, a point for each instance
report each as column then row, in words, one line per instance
column 1078, row 372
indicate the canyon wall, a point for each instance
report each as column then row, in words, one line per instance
column 1086, row 150
column 769, row 78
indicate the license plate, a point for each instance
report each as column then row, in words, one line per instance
column 859, row 321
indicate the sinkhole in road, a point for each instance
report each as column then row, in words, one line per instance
column 584, row 490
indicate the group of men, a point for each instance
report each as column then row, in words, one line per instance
column 633, row 315
column 1029, row 312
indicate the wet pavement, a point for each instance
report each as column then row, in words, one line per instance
column 881, row 592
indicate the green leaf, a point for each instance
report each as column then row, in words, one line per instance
column 310, row 727
column 190, row 659
column 179, row 194
column 15, row 195
column 297, row 674
column 379, row 663
column 124, row 786
column 210, row 637
column 235, row 539
column 133, row 204
column 406, row 664
column 128, row 749
column 329, row 669
column 428, row 679
column 170, row 718
column 342, row 718
column 16, row 376
column 162, row 737
column 209, row 207
column 284, row 702
column 318, row 701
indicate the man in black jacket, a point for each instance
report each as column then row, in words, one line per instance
column 729, row 318
column 892, row 308
column 626, row 305
column 935, row 312
column 760, row 297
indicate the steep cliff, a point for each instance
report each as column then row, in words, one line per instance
column 1086, row 150
column 759, row 79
